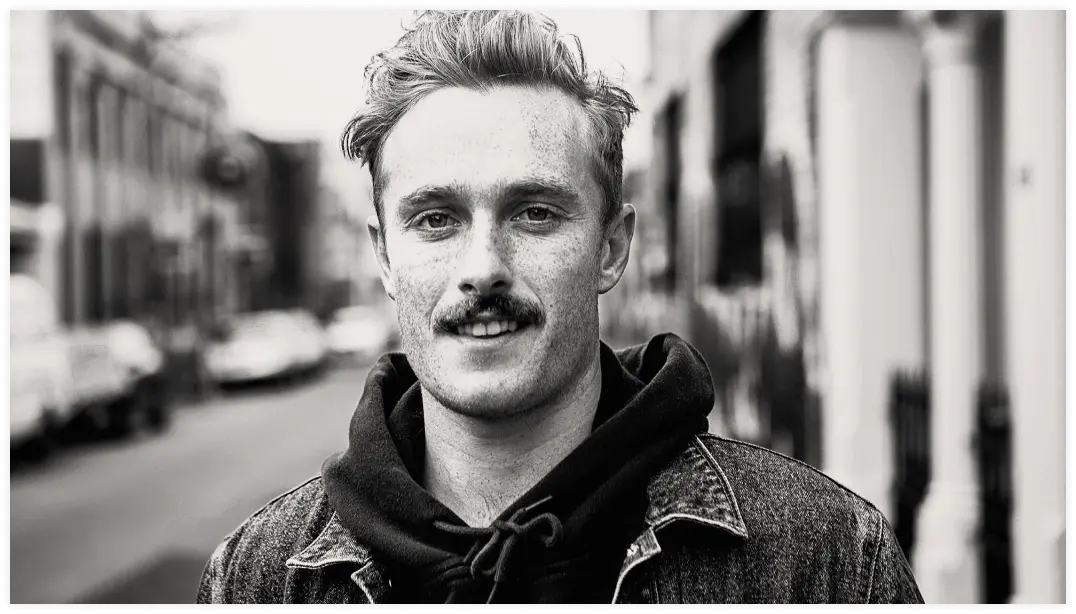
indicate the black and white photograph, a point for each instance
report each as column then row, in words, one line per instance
column 601, row 306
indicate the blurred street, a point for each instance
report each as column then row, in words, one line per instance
column 136, row 522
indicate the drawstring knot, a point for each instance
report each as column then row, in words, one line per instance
column 490, row 559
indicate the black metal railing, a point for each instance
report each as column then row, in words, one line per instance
column 909, row 415
column 994, row 455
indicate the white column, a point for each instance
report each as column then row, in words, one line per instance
column 1035, row 297
column 871, row 253
column 946, row 556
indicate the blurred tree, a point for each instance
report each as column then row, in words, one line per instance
column 179, row 30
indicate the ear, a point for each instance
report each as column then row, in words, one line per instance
column 377, row 239
column 615, row 247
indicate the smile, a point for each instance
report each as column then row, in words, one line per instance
column 488, row 329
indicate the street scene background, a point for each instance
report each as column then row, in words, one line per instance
column 857, row 217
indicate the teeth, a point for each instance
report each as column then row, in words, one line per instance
column 489, row 329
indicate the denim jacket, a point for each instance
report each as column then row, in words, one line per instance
column 728, row 522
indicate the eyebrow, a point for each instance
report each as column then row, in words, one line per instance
column 454, row 193
column 531, row 187
column 429, row 194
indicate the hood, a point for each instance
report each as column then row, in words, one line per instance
column 562, row 540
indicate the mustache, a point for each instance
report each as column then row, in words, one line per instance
column 498, row 306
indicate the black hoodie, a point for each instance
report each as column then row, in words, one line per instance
column 564, row 540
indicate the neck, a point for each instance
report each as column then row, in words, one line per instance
column 478, row 467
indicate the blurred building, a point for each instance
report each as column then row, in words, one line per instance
column 282, row 208
column 302, row 244
column 345, row 256
column 837, row 197
column 109, row 123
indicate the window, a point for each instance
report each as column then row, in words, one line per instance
column 93, row 117
column 94, row 266
column 137, row 127
column 739, row 125
column 671, row 122
column 119, row 128
column 62, row 75
column 154, row 140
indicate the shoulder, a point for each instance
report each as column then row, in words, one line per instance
column 253, row 556
column 776, row 493
column 786, row 532
column 290, row 517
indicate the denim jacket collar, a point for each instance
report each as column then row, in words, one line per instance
column 692, row 488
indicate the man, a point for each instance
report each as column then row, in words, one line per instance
column 507, row 455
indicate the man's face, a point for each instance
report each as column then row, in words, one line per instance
column 493, row 246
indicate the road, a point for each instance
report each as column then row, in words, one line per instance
column 135, row 521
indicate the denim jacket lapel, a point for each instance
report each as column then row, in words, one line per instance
column 335, row 545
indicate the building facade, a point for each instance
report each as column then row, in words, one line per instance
column 110, row 123
column 345, row 257
column 279, row 212
column 838, row 197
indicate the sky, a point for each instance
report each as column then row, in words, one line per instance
column 290, row 74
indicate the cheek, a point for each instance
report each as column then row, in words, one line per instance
column 418, row 276
column 565, row 275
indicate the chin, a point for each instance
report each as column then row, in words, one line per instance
column 487, row 395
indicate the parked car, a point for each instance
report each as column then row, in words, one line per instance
column 120, row 380
column 309, row 343
column 361, row 333
column 42, row 389
column 148, row 398
column 252, row 347
column 100, row 381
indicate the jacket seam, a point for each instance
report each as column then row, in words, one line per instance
column 291, row 562
column 879, row 535
column 264, row 508
column 624, row 574
column 325, row 563
column 362, row 585
column 814, row 470
column 716, row 524
column 742, row 527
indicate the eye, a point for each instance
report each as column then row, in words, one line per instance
column 435, row 221
column 536, row 214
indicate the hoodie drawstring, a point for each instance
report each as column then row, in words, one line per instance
column 505, row 534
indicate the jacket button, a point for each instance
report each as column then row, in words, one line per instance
column 645, row 593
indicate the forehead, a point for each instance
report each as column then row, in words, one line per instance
column 486, row 139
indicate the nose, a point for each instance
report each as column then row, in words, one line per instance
column 482, row 268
